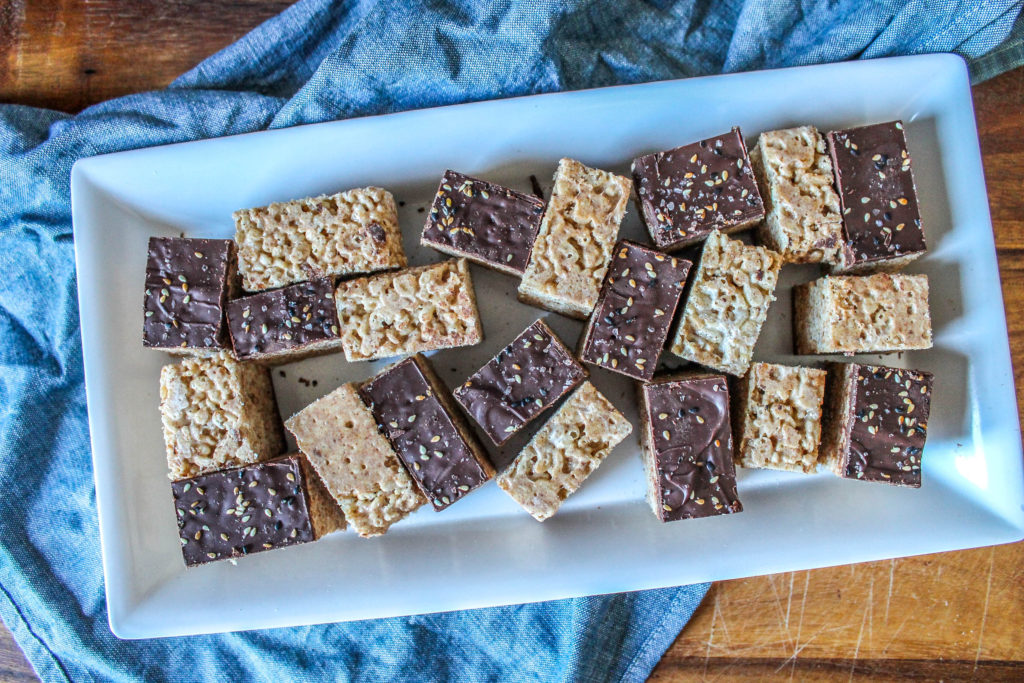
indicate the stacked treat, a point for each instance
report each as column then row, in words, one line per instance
column 325, row 274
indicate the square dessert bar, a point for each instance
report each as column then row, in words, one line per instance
column 638, row 300
column 246, row 510
column 521, row 382
column 356, row 463
column 564, row 452
column 574, row 245
column 794, row 171
column 778, row 417
column 217, row 413
column 687, row 445
column 483, row 222
column 285, row 325
column 419, row 309
column 686, row 192
column 415, row 412
column 727, row 305
column 862, row 314
column 188, row 283
column 877, row 423
column 881, row 218
column 348, row 233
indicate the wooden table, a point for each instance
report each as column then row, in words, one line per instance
column 950, row 616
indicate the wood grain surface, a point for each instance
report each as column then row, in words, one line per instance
column 952, row 616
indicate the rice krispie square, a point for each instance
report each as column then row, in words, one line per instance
column 574, row 244
column 418, row 309
column 686, row 436
column 862, row 314
column 803, row 222
column 727, row 304
column 217, row 413
column 881, row 218
column 188, row 284
column 877, row 422
column 347, row 233
column 484, row 222
column 687, row 192
column 355, row 462
column 564, row 452
column 778, row 417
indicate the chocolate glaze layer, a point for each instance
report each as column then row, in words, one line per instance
column 691, row 439
column 686, row 192
column 404, row 401
column 521, row 382
column 241, row 511
column 638, row 299
column 187, row 285
column 888, row 424
column 881, row 218
column 283, row 319
column 490, row 224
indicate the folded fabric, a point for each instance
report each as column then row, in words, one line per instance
column 320, row 61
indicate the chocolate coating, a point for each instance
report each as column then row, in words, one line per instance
column 187, row 285
column 687, row 426
column 888, row 425
column 404, row 401
column 284, row 319
column 521, row 382
column 881, row 219
column 686, row 192
column 487, row 223
column 638, row 299
column 241, row 511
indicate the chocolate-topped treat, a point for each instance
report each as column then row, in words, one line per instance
column 188, row 282
column 414, row 411
column 483, row 222
column 241, row 511
column 881, row 218
column 686, row 192
column 877, row 424
column 687, row 447
column 521, row 382
column 638, row 299
column 284, row 325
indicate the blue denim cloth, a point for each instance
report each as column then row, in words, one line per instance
column 315, row 62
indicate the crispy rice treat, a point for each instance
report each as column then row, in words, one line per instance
column 217, row 413
column 526, row 378
column 881, row 217
column 244, row 510
column 684, row 194
column 341, row 234
column 419, row 309
column 727, row 304
column 686, row 437
column 356, row 463
column 285, row 325
column 876, row 423
column 574, row 245
column 778, row 417
column 862, row 314
column 484, row 222
column 415, row 412
column 794, row 174
column 188, row 284
column 566, row 450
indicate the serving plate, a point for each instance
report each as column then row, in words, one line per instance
column 486, row 550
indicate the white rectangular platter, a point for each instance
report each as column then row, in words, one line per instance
column 486, row 550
